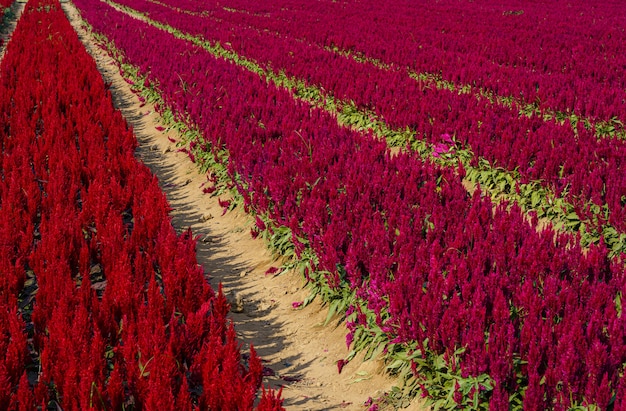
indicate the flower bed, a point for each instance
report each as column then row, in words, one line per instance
column 103, row 305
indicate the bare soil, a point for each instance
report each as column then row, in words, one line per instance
column 299, row 352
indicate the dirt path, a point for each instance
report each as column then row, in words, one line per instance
column 297, row 348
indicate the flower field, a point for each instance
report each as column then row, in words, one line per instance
column 484, row 258
column 103, row 305
column 449, row 179
column 573, row 171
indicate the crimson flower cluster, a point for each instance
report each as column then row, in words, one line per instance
column 102, row 305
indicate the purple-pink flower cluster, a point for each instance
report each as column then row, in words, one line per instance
column 568, row 159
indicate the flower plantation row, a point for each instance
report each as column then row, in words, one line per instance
column 437, row 39
column 102, row 305
column 429, row 266
column 565, row 58
column 567, row 160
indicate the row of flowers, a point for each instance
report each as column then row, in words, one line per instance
column 102, row 305
column 570, row 160
column 436, row 267
column 566, row 57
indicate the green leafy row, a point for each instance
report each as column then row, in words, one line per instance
column 612, row 128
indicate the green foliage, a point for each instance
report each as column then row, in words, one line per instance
column 437, row 377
